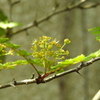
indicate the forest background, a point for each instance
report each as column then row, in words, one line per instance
column 72, row 24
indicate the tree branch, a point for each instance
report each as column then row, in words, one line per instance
column 48, row 79
column 11, row 5
column 69, row 7
column 82, row 65
column 97, row 96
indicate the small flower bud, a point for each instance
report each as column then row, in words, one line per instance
column 67, row 41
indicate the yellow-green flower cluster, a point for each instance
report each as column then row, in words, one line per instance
column 3, row 50
column 2, row 46
column 47, row 47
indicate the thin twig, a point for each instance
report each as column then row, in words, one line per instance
column 82, row 65
column 11, row 5
column 48, row 79
column 68, row 8
column 27, row 60
column 97, row 96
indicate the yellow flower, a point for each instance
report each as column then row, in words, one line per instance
column 4, row 51
column 53, row 42
column 67, row 41
column 34, row 48
column 50, row 46
column 3, row 46
column 58, row 45
column 11, row 52
column 34, row 42
column 67, row 52
column 62, row 51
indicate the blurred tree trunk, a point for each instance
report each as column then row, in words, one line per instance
column 85, row 51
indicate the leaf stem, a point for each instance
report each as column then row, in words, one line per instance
column 63, row 46
column 28, row 61
column 44, row 63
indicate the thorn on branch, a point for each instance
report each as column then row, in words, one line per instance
column 26, row 32
column 13, row 84
column 56, row 5
column 70, row 6
column 78, row 72
column 35, row 23
column 16, row 2
column 32, row 77
column 45, row 79
column 55, row 75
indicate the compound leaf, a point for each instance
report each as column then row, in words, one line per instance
column 3, row 17
column 2, row 40
column 12, row 45
column 94, row 29
column 24, row 53
column 2, row 31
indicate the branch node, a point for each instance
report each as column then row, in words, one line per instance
column 56, row 5
column 16, row 2
column 80, row 66
column 40, row 79
column 35, row 23
column 14, row 82
column 55, row 75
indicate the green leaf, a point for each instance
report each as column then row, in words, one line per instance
column 6, row 25
column 1, row 66
column 94, row 29
column 89, row 57
column 92, row 55
column 13, row 24
column 2, row 31
column 54, row 67
column 79, row 58
column 66, row 62
column 2, row 40
column 98, row 38
column 41, row 72
column 12, row 65
column 97, row 53
column 96, row 32
column 3, row 17
column 3, row 25
column 60, row 71
column 73, row 60
column 8, row 65
column 36, row 62
column 20, row 62
column 24, row 53
column 12, row 45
